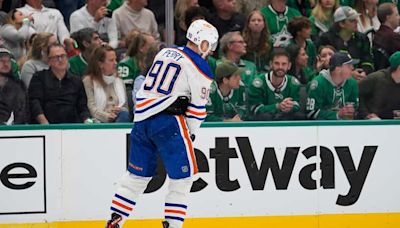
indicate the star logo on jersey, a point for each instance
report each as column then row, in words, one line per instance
column 282, row 38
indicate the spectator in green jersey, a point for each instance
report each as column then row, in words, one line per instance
column 227, row 101
column 333, row 94
column 299, row 68
column 300, row 28
column 258, row 40
column 86, row 39
column 278, row 14
column 233, row 48
column 275, row 95
column 322, row 17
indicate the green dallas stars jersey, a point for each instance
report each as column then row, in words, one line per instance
column 77, row 65
column 325, row 98
column 220, row 107
column 264, row 97
column 277, row 24
column 128, row 70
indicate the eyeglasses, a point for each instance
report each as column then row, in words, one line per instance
column 58, row 58
column 238, row 41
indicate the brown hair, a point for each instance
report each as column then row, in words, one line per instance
column 385, row 10
column 134, row 49
column 93, row 70
column 297, row 24
column 40, row 42
column 262, row 46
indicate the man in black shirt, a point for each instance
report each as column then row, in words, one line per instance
column 380, row 92
column 13, row 98
column 55, row 95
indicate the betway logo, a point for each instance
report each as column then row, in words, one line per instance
column 281, row 173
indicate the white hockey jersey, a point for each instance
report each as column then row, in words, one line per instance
column 175, row 72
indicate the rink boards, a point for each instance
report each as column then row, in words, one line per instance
column 304, row 174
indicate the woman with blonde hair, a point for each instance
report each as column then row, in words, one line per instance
column 322, row 17
column 258, row 40
column 16, row 30
column 37, row 57
column 105, row 90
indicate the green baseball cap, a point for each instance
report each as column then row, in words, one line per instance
column 226, row 69
column 395, row 59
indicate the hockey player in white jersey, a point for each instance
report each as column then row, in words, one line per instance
column 170, row 107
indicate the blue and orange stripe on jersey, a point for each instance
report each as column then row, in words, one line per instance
column 145, row 104
column 196, row 112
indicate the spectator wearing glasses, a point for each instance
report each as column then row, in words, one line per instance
column 55, row 95
column 233, row 48
column 344, row 37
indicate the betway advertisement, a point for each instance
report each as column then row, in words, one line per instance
column 243, row 171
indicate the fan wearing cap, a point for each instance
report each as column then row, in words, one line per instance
column 344, row 37
column 333, row 94
column 13, row 96
column 380, row 92
column 275, row 95
column 227, row 101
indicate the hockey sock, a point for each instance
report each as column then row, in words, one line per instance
column 128, row 191
column 176, row 201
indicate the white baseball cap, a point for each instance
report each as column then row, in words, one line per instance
column 345, row 13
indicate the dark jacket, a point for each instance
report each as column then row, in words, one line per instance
column 379, row 94
column 61, row 101
column 358, row 47
column 387, row 39
column 13, row 99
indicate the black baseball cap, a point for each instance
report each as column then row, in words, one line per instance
column 340, row 58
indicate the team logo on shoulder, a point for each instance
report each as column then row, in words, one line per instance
column 257, row 82
column 209, row 102
column 213, row 89
column 314, row 84
column 295, row 81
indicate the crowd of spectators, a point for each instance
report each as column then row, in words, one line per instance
column 83, row 61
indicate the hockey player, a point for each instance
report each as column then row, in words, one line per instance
column 228, row 97
column 275, row 95
column 333, row 94
column 170, row 107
